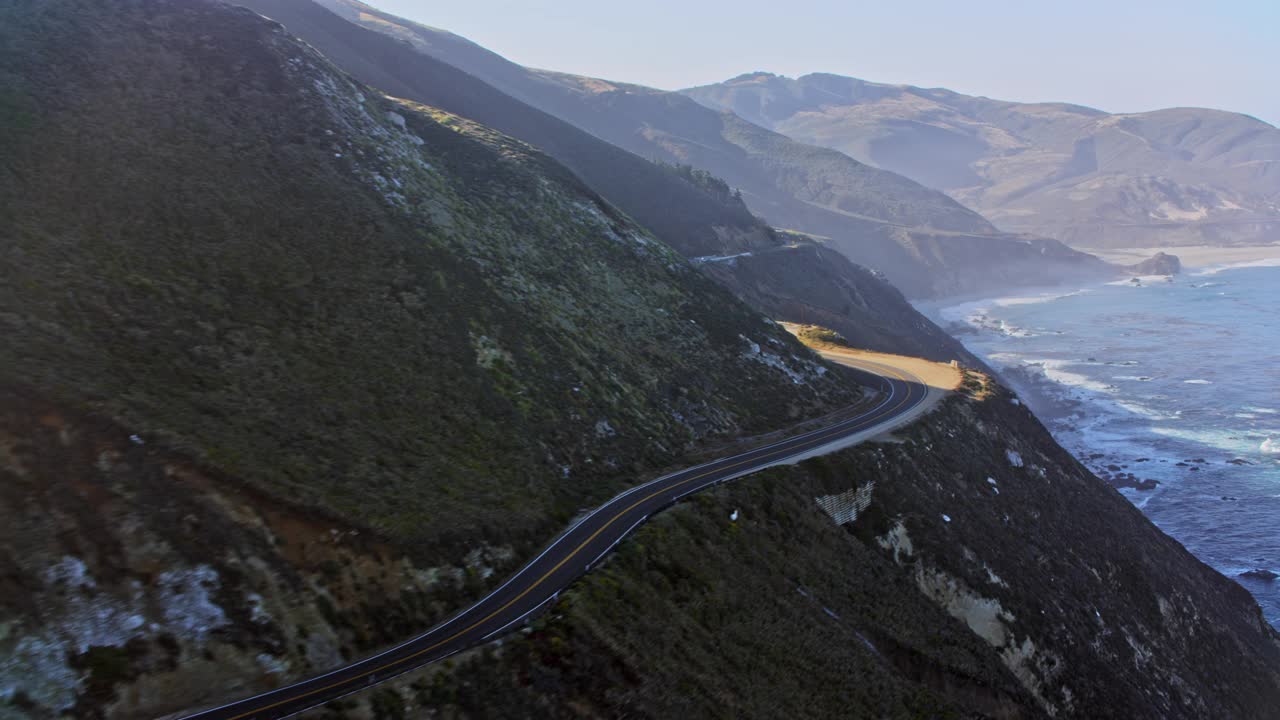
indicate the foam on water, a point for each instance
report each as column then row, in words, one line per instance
column 1140, row 281
column 1229, row 441
column 1218, row 269
column 1036, row 299
column 1178, row 383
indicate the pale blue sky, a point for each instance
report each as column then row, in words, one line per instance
column 1117, row 55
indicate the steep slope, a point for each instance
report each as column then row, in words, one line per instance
column 876, row 218
column 685, row 217
column 1176, row 176
column 293, row 369
column 972, row 569
column 251, row 306
column 836, row 294
column 663, row 125
column 693, row 221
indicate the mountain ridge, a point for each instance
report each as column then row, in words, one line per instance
column 1094, row 179
column 686, row 218
column 877, row 219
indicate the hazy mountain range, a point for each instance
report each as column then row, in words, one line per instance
column 1092, row 179
column 923, row 241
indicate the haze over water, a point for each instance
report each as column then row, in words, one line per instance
column 1177, row 382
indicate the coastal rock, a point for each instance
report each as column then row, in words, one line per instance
column 1158, row 264
column 1260, row 574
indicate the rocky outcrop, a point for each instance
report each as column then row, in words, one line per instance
column 1158, row 264
column 139, row 583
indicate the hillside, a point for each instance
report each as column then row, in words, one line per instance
column 294, row 369
column 1180, row 176
column 229, row 270
column 835, row 293
column 969, row 568
column 924, row 242
column 684, row 216
column 699, row 222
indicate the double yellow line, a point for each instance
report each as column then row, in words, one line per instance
column 816, row 443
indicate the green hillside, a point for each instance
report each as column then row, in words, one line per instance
column 374, row 308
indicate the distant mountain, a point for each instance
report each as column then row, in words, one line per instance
column 689, row 211
column 1092, row 179
column 924, row 242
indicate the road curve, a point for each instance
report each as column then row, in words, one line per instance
column 574, row 552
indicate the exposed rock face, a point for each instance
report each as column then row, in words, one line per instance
column 1158, row 264
column 1182, row 176
column 138, row 584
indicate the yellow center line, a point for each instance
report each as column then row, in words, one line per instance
column 548, row 574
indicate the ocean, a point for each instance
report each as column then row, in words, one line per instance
column 1176, row 382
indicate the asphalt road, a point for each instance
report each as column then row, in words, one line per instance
column 573, row 553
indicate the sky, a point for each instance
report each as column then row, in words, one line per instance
column 1115, row 55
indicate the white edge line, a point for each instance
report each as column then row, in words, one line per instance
column 527, row 614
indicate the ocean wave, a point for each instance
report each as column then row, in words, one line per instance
column 1270, row 447
column 962, row 312
column 1235, row 442
column 1139, row 498
column 1056, row 370
column 1143, row 281
column 1144, row 411
column 1197, row 382
column 1214, row 270
column 981, row 321
column 1037, row 299
column 1133, row 378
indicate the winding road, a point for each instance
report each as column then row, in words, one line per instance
column 582, row 546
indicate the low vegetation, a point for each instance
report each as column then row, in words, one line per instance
column 984, row 574
column 300, row 281
column 818, row 335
